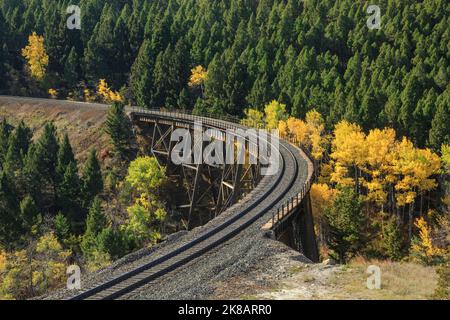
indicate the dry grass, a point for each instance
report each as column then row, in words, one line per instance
column 399, row 280
column 82, row 124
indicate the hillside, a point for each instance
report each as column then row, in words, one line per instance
column 83, row 123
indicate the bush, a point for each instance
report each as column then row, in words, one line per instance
column 442, row 291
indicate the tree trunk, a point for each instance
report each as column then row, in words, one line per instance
column 410, row 220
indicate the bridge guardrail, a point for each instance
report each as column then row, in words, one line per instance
column 223, row 121
column 291, row 204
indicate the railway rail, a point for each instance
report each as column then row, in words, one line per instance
column 287, row 184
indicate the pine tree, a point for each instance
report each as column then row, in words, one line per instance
column 47, row 150
column 10, row 226
column 5, row 132
column 71, row 68
column 69, row 195
column 393, row 240
column 215, row 97
column 13, row 159
column 122, row 60
column 96, row 220
column 440, row 126
column 56, row 41
column 141, row 80
column 65, row 156
column 3, row 51
column 29, row 213
column 46, row 159
column 119, row 129
column 92, row 178
column 100, row 48
column 346, row 221
column 164, row 80
column 33, row 179
column 62, row 227
column 24, row 136
column 95, row 223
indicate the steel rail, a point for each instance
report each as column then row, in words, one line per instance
column 212, row 238
column 140, row 276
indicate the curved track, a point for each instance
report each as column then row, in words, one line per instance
column 265, row 199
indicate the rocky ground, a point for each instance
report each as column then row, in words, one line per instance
column 285, row 276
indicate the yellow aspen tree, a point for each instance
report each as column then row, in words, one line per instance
column 103, row 89
column 253, row 118
column 322, row 197
column 49, row 263
column 198, row 76
column 34, row 270
column 403, row 167
column 275, row 112
column 106, row 94
column 53, row 93
column 36, row 56
column 414, row 167
column 380, row 146
column 316, row 128
column 284, row 130
column 15, row 280
column 427, row 164
column 114, row 96
column 299, row 131
column 349, row 152
column 423, row 247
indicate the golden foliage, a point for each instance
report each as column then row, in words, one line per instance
column 36, row 56
column 377, row 161
column 299, row 130
column 379, row 147
column 275, row 112
column 88, row 96
column 53, row 93
column 322, row 197
column 316, row 128
column 34, row 270
column 106, row 94
column 253, row 118
column 349, row 144
column 423, row 247
column 98, row 260
column 198, row 76
column 283, row 129
column 348, row 152
column 413, row 168
column 309, row 133
column 145, row 176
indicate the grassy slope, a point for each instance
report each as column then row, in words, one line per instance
column 82, row 123
column 398, row 281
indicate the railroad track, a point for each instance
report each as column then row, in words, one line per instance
column 138, row 277
column 267, row 200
